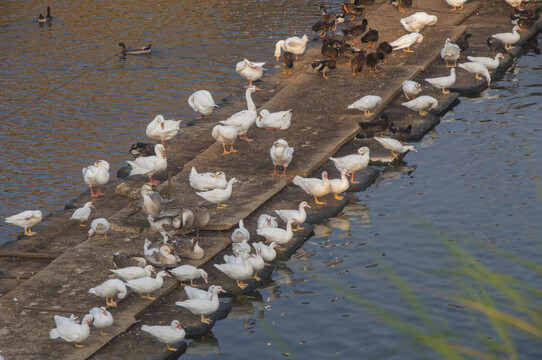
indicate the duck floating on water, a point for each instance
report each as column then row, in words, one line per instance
column 135, row 51
column 47, row 18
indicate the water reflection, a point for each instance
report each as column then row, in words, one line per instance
column 206, row 345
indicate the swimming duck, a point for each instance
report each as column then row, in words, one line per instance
column 161, row 129
column 294, row 45
column 450, row 52
column 339, row 185
column 241, row 247
column 135, row 51
column 99, row 226
column 187, row 248
column 75, row 333
column 299, row 215
column 280, row 120
column 147, row 284
column 278, row 235
column 400, row 133
column 411, row 89
column 47, row 17
column 96, row 174
column 366, row 103
column 463, row 43
column 202, row 102
column 265, row 220
column 129, row 192
column 237, row 272
column 240, row 234
column 225, row 135
column 208, row 180
column 251, row 71
column 373, row 59
column 352, row 9
column 370, row 37
column 352, row 163
column 421, row 103
column 81, row 214
column 385, row 49
column 323, row 65
column 287, row 62
column 267, row 252
column 109, row 290
column 396, row 147
column 102, row 318
column 356, row 64
column 355, row 31
column 188, row 272
column 456, row 3
column 257, row 262
column 171, row 334
column 417, row 21
column 487, row 61
column 244, row 119
column 443, row 82
column 314, row 187
column 400, row 3
column 134, row 272
column 150, row 165
column 203, row 306
column 406, row 41
column 125, row 260
column 477, row 68
column 508, row 38
column 218, row 196
column 159, row 255
column 281, row 155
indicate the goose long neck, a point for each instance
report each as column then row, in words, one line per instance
column 250, row 103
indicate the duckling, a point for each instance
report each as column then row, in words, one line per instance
column 135, row 51
column 371, row 36
column 47, row 17
column 400, row 3
column 355, row 10
column 355, row 31
column 400, row 133
column 357, row 63
column 287, row 62
column 124, row 260
column 187, row 248
column 375, row 126
column 142, row 149
column 385, row 49
column 323, row 65
column 128, row 192
column 463, row 43
column 330, row 52
column 372, row 60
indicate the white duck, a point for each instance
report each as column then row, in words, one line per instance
column 240, row 234
column 26, row 220
column 171, row 334
column 241, row 247
column 99, row 226
column 515, row 3
column 251, row 71
column 225, row 135
column 134, row 272
column 281, row 155
column 81, row 214
column 294, row 44
column 265, row 221
column 396, row 147
column 159, row 255
column 487, row 61
column 411, row 89
column 352, row 163
column 450, row 52
column 207, row 181
column 280, row 120
column 102, row 318
column 508, row 38
column 406, row 41
column 150, row 165
column 62, row 320
column 238, row 272
column 267, row 252
column 477, row 68
column 202, row 102
column 257, row 262
column 218, row 196
column 339, row 185
column 456, row 3
column 147, row 284
column 109, row 290
column 188, row 272
column 194, row 293
column 75, row 333
column 417, row 21
column 280, row 236
column 314, row 187
column 203, row 306
column 420, row 103
column 443, row 82
column 161, row 129
column 244, row 119
column 235, row 258
column 299, row 215
column 96, row 175
column 366, row 103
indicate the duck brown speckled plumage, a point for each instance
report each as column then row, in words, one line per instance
column 370, row 37
column 287, row 62
column 128, row 192
column 142, row 149
column 354, row 10
column 357, row 63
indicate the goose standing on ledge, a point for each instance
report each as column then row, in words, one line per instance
column 314, row 187
column 171, row 334
column 508, row 39
column 147, row 284
column 339, row 185
column 416, row 22
column 281, row 155
column 202, row 102
column 406, row 41
column 75, row 333
column 218, row 196
column 251, row 71
column 150, row 165
column 161, row 129
column 109, row 290
column 244, row 119
column 443, row 82
column 299, row 215
column 225, row 135
column 81, row 214
column 294, row 45
column 96, row 175
column 26, row 220
column 450, row 52
column 135, row 51
column 420, row 103
column 366, row 103
column 352, row 163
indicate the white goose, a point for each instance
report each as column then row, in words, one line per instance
column 443, row 82
column 508, row 38
column 314, row 187
column 487, row 61
column 102, row 318
column 406, row 41
column 251, row 71
column 396, row 147
column 366, row 103
column 96, row 175
column 244, row 119
column 218, row 196
column 477, row 68
column 161, row 129
column 147, row 284
column 294, row 44
column 420, row 103
column 299, row 215
column 450, row 52
column 26, row 220
column 339, row 185
column 265, row 221
column 280, row 236
column 352, row 163
column 225, row 135
column 281, row 155
column 203, row 306
column 75, row 333
column 99, row 226
column 202, row 102
column 150, row 165
column 515, row 3
column 188, row 272
column 456, row 3
column 237, row 272
column 171, row 334
column 109, row 290
column 280, row 120
column 267, row 252
column 417, row 21
column 240, row 234
column 257, row 262
column 207, row 181
column 411, row 89
column 81, row 214
column 134, row 272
